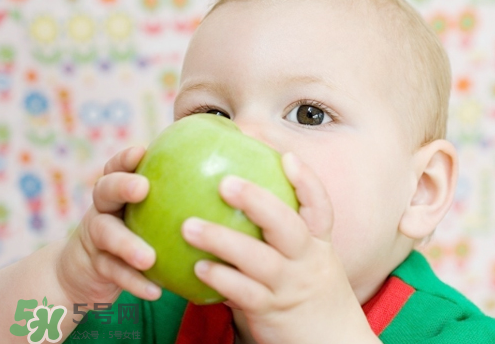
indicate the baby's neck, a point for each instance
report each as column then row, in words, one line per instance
column 242, row 333
column 238, row 340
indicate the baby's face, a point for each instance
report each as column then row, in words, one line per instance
column 302, row 76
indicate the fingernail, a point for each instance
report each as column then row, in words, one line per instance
column 193, row 227
column 201, row 267
column 133, row 153
column 152, row 290
column 232, row 185
column 292, row 164
column 140, row 256
column 134, row 184
column 136, row 150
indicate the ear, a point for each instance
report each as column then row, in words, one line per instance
column 435, row 180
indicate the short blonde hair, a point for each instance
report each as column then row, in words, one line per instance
column 425, row 67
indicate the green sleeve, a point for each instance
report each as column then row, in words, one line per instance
column 157, row 321
column 435, row 313
column 479, row 329
column 430, row 319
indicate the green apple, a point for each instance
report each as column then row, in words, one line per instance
column 184, row 166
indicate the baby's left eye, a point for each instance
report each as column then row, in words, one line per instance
column 308, row 115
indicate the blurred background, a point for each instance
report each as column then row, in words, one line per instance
column 82, row 80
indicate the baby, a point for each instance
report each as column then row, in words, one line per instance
column 354, row 95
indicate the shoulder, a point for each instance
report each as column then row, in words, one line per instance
column 434, row 312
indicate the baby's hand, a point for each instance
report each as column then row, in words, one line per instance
column 293, row 288
column 103, row 256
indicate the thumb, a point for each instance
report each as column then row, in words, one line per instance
column 315, row 206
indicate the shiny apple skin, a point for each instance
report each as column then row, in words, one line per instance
column 184, row 166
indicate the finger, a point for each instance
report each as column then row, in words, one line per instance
column 108, row 233
column 125, row 161
column 282, row 227
column 118, row 272
column 264, row 263
column 315, row 205
column 114, row 190
column 248, row 294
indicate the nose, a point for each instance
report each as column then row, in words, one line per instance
column 260, row 131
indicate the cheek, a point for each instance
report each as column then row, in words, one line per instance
column 352, row 200
column 358, row 185
column 348, row 186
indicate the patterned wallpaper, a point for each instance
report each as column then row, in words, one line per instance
column 81, row 80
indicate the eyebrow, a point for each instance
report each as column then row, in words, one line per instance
column 203, row 86
column 294, row 79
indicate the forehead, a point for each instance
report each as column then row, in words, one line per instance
column 269, row 42
column 316, row 37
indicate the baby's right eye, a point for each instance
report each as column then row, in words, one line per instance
column 218, row 113
column 205, row 108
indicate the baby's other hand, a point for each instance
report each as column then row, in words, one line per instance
column 291, row 288
column 103, row 256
